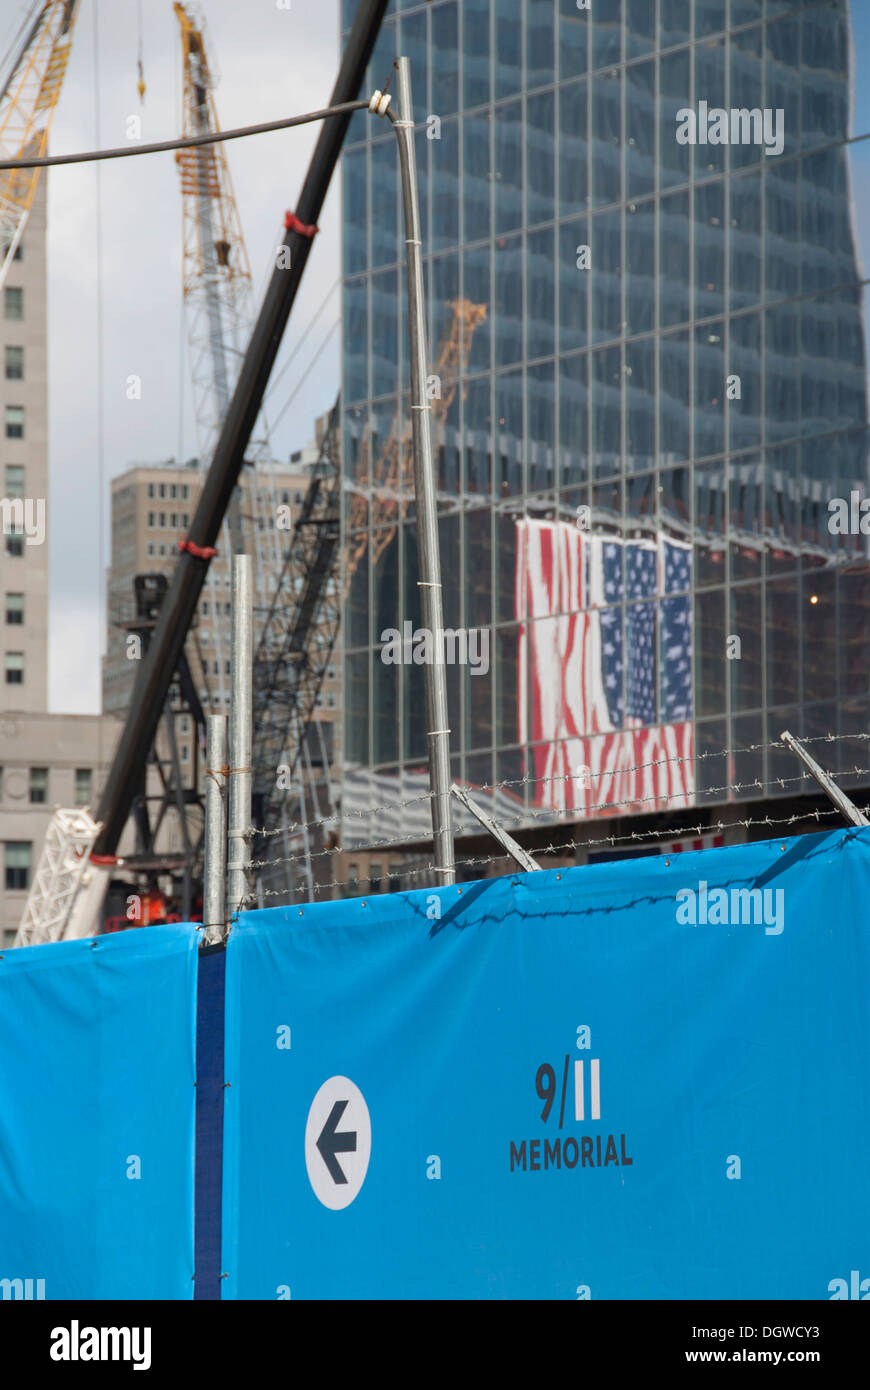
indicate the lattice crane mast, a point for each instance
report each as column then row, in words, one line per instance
column 28, row 98
column 392, row 476
column 218, row 297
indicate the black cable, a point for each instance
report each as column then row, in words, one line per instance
column 301, row 341
column 212, row 138
column 297, row 388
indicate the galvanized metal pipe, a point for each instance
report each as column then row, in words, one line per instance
column 215, row 867
column 241, row 734
column 429, row 582
column 843, row 802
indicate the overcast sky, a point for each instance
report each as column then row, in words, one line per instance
column 271, row 63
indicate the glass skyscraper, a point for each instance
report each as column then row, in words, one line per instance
column 649, row 384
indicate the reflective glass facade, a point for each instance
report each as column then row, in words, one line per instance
column 652, row 364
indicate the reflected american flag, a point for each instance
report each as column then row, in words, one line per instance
column 608, row 710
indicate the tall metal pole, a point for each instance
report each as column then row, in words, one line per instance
column 215, row 868
column 429, row 559
column 241, row 733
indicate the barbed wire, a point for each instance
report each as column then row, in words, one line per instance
column 636, row 837
column 486, row 787
column 602, row 806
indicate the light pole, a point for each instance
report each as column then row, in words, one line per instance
column 429, row 582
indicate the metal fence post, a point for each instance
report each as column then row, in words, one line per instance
column 215, row 868
column 241, row 731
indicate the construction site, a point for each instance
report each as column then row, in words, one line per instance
column 475, row 670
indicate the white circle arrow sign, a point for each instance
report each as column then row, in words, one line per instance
column 338, row 1142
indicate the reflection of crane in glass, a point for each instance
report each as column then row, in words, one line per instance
column 28, row 99
column 302, row 626
column 391, row 484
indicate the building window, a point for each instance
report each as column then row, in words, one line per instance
column 205, row 608
column 14, row 363
column 375, row 875
column 15, row 610
column 14, row 662
column 162, row 549
column 353, row 877
column 83, row 786
column 150, row 492
column 161, row 491
column 19, row 252
column 13, row 302
column 174, row 520
column 15, row 422
column 15, row 546
column 185, row 752
column 184, row 724
column 173, row 491
column 162, row 520
column 18, row 864
column 330, row 700
column 38, row 786
column 151, row 516
column 184, row 492
column 185, row 519
column 150, row 547
column 14, row 480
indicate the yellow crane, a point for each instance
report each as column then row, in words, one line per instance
column 218, row 298
column 28, row 99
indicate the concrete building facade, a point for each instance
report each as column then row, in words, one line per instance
column 24, row 470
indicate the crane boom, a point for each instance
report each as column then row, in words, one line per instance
column 28, row 99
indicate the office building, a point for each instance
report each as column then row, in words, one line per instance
column 658, row 391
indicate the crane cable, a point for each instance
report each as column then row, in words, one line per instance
column 100, row 399
column 140, row 85
column 212, row 138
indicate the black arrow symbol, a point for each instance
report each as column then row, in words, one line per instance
column 330, row 1143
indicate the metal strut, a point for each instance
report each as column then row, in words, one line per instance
column 825, row 781
column 516, row 851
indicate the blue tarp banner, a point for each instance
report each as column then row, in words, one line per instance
column 97, row 1116
column 644, row 1079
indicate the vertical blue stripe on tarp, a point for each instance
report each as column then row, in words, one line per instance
column 209, row 1121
